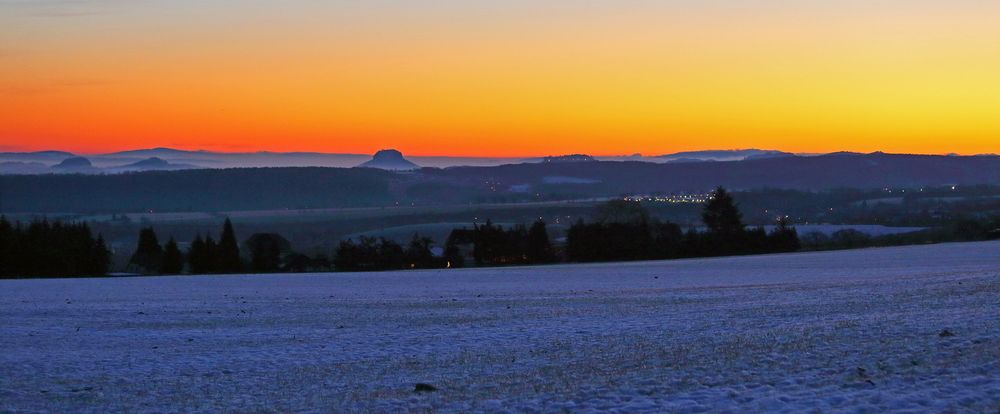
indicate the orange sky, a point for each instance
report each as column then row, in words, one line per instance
column 513, row 78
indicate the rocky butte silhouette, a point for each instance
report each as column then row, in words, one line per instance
column 75, row 165
column 389, row 159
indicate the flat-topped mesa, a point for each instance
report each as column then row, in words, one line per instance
column 74, row 162
column 389, row 159
column 569, row 158
column 74, row 165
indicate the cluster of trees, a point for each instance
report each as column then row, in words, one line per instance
column 51, row 249
column 151, row 258
column 204, row 255
column 492, row 245
column 370, row 254
column 265, row 253
column 624, row 231
column 488, row 244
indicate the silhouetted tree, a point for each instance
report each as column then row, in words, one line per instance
column 539, row 246
column 51, row 249
column 212, row 254
column 726, row 231
column 99, row 260
column 493, row 245
column 200, row 258
column 783, row 238
column 361, row 256
column 266, row 250
column 148, row 256
column 721, row 215
column 754, row 241
column 694, row 244
column 173, row 261
column 418, row 253
column 7, row 240
column 389, row 255
column 453, row 255
column 228, row 252
column 624, row 231
column 668, row 240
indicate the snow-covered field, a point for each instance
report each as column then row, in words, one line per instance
column 855, row 331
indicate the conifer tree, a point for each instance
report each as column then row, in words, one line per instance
column 784, row 238
column 228, row 255
column 6, row 247
column 148, row 254
column 173, row 262
column 51, row 249
column 211, row 255
column 266, row 250
column 539, row 246
column 199, row 261
column 721, row 215
column 726, row 231
column 100, row 258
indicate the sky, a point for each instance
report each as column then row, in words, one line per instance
column 501, row 78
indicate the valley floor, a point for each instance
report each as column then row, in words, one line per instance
column 896, row 329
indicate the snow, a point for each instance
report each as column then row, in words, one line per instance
column 847, row 331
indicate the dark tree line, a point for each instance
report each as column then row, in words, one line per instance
column 493, row 245
column 208, row 256
column 51, row 249
column 487, row 244
column 369, row 254
column 265, row 253
column 204, row 255
column 624, row 231
column 197, row 190
column 150, row 258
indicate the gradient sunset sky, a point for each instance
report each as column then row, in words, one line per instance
column 501, row 78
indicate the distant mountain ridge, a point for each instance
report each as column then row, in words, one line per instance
column 233, row 189
column 152, row 164
column 137, row 160
column 156, row 152
column 113, row 161
column 837, row 170
column 723, row 155
column 36, row 156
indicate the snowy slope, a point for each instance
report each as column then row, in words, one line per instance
column 835, row 331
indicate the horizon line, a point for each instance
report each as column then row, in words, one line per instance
column 10, row 150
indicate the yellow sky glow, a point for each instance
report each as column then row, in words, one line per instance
column 514, row 79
